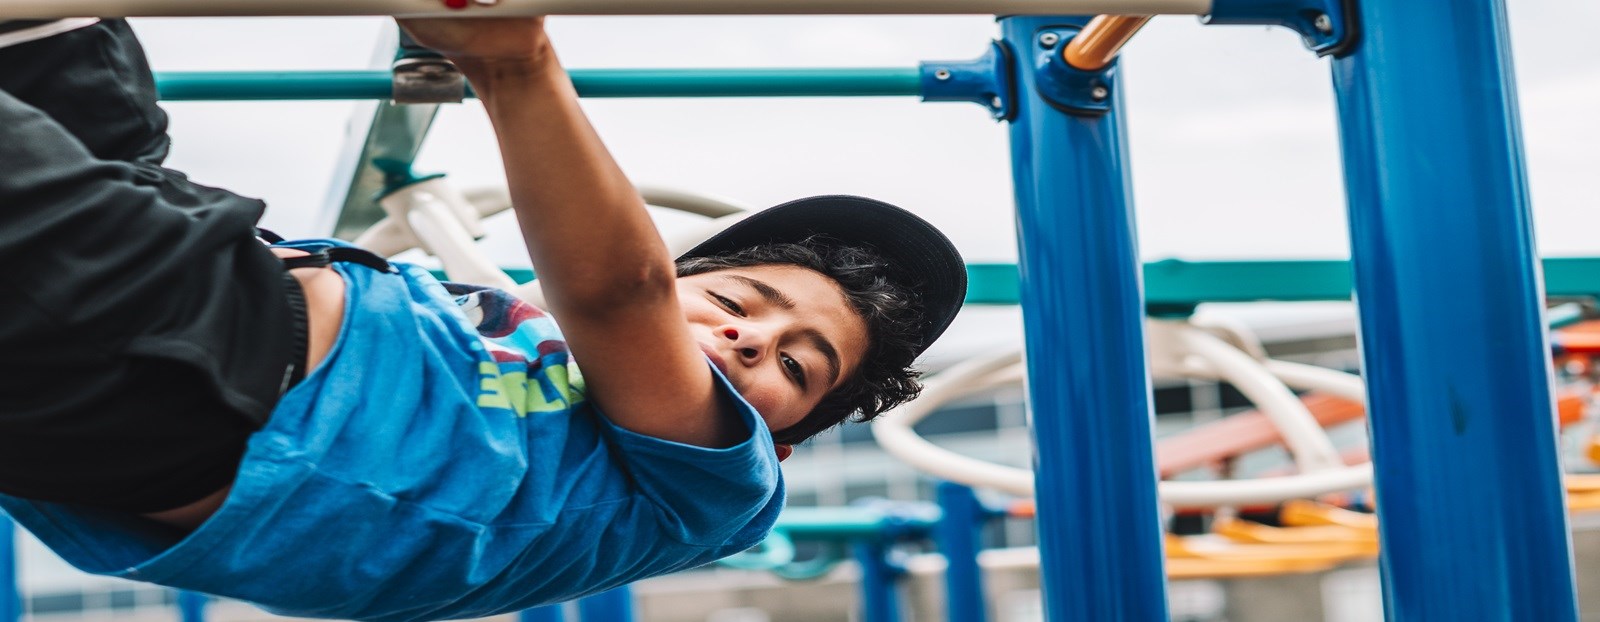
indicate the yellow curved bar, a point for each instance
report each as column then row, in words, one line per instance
column 1362, row 541
column 1583, row 501
column 1317, row 537
column 1100, row 41
column 1583, row 482
column 1302, row 513
column 1179, row 569
column 1195, row 557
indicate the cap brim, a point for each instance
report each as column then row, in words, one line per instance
column 921, row 259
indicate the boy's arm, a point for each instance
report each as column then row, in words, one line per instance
column 606, row 273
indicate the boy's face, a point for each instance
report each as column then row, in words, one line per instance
column 784, row 335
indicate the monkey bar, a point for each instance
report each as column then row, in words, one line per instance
column 42, row 9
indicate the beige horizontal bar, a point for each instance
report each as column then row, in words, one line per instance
column 45, row 9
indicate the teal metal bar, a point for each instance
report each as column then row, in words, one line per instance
column 863, row 82
column 10, row 595
column 1178, row 284
column 375, row 84
column 855, row 523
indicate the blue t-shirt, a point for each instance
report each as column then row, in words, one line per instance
column 439, row 467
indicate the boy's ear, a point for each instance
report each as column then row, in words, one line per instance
column 784, row 451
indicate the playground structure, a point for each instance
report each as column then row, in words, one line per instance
column 1432, row 159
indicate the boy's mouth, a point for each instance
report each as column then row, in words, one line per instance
column 716, row 358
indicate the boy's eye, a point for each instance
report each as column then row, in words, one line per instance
column 793, row 368
column 729, row 303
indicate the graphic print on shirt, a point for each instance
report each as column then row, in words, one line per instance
column 530, row 370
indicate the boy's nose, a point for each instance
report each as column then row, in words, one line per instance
column 746, row 342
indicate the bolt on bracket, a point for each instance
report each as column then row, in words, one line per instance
column 986, row 81
column 1328, row 27
column 1067, row 88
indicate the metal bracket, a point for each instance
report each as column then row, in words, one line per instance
column 428, row 81
column 1328, row 27
column 987, row 81
column 423, row 76
column 1067, row 88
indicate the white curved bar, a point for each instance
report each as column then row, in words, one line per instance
column 689, row 201
column 894, row 433
column 44, row 9
column 387, row 238
column 489, row 201
column 436, row 225
column 1332, row 381
column 495, row 199
column 1233, row 331
column 1264, row 490
column 1313, row 451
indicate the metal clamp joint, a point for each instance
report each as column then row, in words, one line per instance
column 1328, row 27
column 986, row 81
column 1067, row 88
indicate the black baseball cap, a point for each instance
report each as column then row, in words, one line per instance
column 921, row 259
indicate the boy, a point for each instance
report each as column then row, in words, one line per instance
column 333, row 436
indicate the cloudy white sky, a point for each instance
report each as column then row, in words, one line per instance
column 1232, row 129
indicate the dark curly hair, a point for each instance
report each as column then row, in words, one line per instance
column 891, row 312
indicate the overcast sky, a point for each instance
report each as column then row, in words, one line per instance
column 1232, row 129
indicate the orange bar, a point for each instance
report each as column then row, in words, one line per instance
column 1241, row 434
column 1098, row 44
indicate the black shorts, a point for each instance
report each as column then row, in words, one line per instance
column 144, row 331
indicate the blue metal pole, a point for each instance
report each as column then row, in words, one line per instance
column 879, row 601
column 1456, row 357
column 10, row 595
column 192, row 606
column 958, row 537
column 547, row 613
column 614, row 605
column 1100, row 533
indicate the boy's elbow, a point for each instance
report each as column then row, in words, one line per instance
column 623, row 289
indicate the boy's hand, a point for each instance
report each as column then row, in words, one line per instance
column 488, row 39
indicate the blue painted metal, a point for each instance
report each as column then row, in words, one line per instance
column 880, row 599
column 1088, row 386
column 958, row 538
column 614, row 605
column 548, row 613
column 192, row 606
column 10, row 595
column 1061, row 85
column 1454, row 348
column 1338, row 33
column 989, row 81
